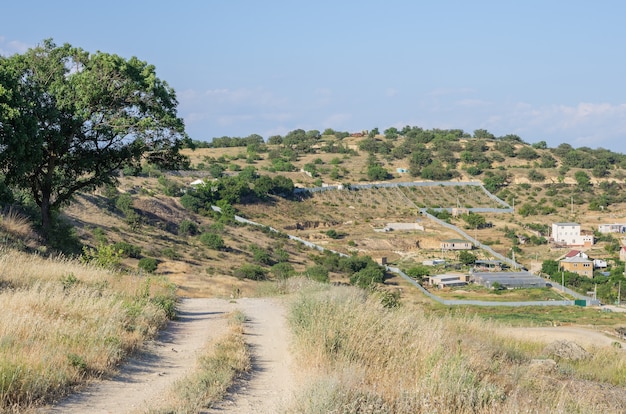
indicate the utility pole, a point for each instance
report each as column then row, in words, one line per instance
column 619, row 292
column 562, row 281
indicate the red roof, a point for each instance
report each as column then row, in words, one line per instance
column 573, row 253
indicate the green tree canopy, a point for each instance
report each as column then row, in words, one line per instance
column 71, row 119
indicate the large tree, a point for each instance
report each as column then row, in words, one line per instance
column 70, row 119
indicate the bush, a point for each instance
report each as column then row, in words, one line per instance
column 212, row 241
column 367, row 277
column 124, row 203
column 252, row 272
column 187, row 227
column 148, row 264
column 318, row 273
column 283, row 270
column 128, row 250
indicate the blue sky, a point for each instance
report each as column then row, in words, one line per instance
column 544, row 70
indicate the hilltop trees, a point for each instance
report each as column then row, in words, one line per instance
column 70, row 119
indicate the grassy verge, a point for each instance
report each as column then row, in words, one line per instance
column 215, row 372
column 63, row 322
column 473, row 292
column 362, row 357
column 533, row 315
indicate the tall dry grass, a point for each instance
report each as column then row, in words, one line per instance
column 17, row 227
column 63, row 322
column 366, row 358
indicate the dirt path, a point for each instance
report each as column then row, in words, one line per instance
column 145, row 379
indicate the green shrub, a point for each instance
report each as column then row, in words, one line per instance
column 283, row 270
column 105, row 255
column 212, row 241
column 318, row 273
column 187, row 227
column 170, row 253
column 124, row 203
column 128, row 250
column 250, row 271
column 148, row 264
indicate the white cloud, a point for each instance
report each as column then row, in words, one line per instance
column 391, row 92
column 583, row 124
column 8, row 48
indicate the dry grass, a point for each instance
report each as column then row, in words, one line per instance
column 364, row 358
column 216, row 370
column 17, row 227
column 63, row 322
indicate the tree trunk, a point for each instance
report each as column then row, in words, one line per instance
column 46, row 216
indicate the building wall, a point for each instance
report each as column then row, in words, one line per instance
column 582, row 268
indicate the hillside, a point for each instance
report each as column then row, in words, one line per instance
column 156, row 227
column 542, row 184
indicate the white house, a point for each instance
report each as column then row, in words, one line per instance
column 569, row 234
column 612, row 228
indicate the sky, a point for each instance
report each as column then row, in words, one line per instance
column 545, row 70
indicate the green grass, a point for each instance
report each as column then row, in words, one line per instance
column 475, row 292
column 534, row 315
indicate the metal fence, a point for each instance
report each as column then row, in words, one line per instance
column 446, row 302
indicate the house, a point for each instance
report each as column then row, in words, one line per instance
column 576, row 253
column 456, row 244
column 576, row 264
column 448, row 280
column 569, row 234
column 612, row 228
column 600, row 264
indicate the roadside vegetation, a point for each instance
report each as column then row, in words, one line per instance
column 358, row 356
column 64, row 322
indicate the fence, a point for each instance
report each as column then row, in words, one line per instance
column 446, row 302
column 506, row 208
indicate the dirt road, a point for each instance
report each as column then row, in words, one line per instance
column 144, row 381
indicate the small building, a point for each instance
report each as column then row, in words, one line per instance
column 434, row 262
column 448, row 280
column 458, row 211
column 622, row 254
column 569, row 234
column 612, row 228
column 487, row 265
column 576, row 253
column 509, row 280
column 600, row 264
column 456, row 244
column 580, row 265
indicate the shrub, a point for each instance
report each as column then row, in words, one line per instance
column 318, row 273
column 128, row 250
column 124, row 203
column 283, row 270
column 212, row 241
column 148, row 264
column 187, row 227
column 105, row 255
column 250, row 271
column 367, row 277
